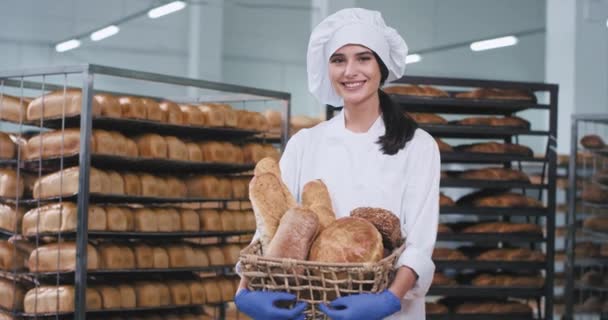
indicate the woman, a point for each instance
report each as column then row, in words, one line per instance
column 369, row 155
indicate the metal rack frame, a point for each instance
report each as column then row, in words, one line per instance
column 448, row 105
column 15, row 78
column 573, row 174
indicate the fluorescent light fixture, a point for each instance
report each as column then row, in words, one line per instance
column 67, row 45
column 494, row 43
column 104, row 33
column 412, row 58
column 166, row 9
column 606, row 23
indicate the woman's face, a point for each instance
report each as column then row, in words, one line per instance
column 354, row 73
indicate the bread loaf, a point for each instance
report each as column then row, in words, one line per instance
column 503, row 227
column 180, row 293
column 271, row 152
column 189, row 220
column 12, row 108
column 596, row 223
column 511, row 121
column 245, row 120
column 147, row 294
column 499, row 200
column 270, row 200
column 212, row 291
column 132, row 184
column 202, row 187
column 315, row 196
column 518, row 254
column 385, row 221
column 144, row 256
column 215, row 255
column 593, row 141
column 228, row 221
column 176, row 188
column 110, row 297
column 168, row 220
column 197, row 292
column 224, row 188
column 426, row 118
column 199, row 257
column 443, row 228
column 210, row 220
column 176, row 149
column 117, row 184
column 448, row 254
column 445, row 200
column 296, row 232
column 59, row 103
column 128, row 298
column 440, row 279
column 61, row 217
column 114, row 256
column 435, row 308
column 415, row 90
column 253, row 152
column 145, row 220
column 194, row 152
column 119, row 219
column 226, row 289
column 65, row 183
column 273, row 118
column 216, row 117
column 260, row 122
column 240, row 187
column 507, row 280
column 132, row 108
column 500, row 94
column 499, row 308
column 179, row 255
column 230, row 115
column 48, row 299
column 160, row 258
column 151, row 145
column 348, row 239
column 494, row 147
column 11, row 185
column 153, row 110
column 171, row 113
column 7, row 147
column 213, row 151
column 231, row 253
column 10, row 218
column 591, row 193
column 193, row 116
column 11, row 295
column 11, row 257
column 498, row 174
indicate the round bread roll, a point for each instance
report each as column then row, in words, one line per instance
column 348, row 240
column 385, row 221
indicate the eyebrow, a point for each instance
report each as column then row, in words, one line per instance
column 358, row 54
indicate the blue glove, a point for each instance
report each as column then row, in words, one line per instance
column 261, row 305
column 364, row 306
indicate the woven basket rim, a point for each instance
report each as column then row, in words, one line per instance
column 251, row 257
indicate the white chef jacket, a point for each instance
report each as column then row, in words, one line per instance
column 358, row 174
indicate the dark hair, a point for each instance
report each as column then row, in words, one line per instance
column 400, row 127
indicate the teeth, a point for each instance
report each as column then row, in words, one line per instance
column 353, row 84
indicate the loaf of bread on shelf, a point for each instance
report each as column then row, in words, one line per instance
column 260, row 122
column 503, row 227
column 11, row 295
column 495, row 147
column 501, row 280
column 448, row 254
column 10, row 218
column 110, row 296
column 273, row 118
column 445, row 200
column 253, row 152
column 444, row 228
column 199, row 257
column 176, row 188
column 212, row 290
column 228, row 220
column 294, row 236
column 117, row 183
column 176, row 149
column 172, row 114
column 592, row 141
column 230, row 115
column 132, row 108
column 168, row 220
column 115, row 256
column 499, row 200
column 189, row 220
column 180, row 293
column 11, row 184
column 160, row 258
column 212, row 151
column 215, row 255
column 119, row 219
column 596, row 223
column 194, row 152
column 214, row 116
column 12, row 258
column 415, row 90
column 193, row 116
column 516, row 254
column 245, row 120
column 59, row 103
column 435, row 308
column 502, row 307
column 13, row 108
column 348, row 239
column 144, row 256
column 497, row 174
column 426, row 118
column 151, row 145
column 443, row 147
column 385, row 221
column 270, row 200
column 8, row 150
column 50, row 299
column 232, row 252
column 202, row 186
column 147, row 294
column 440, row 279
column 210, row 220
column 500, row 94
column 145, row 220
column 593, row 192
column 511, row 121
column 197, row 292
column 153, row 110
column 65, row 183
column 61, row 217
column 180, row 255
column 240, row 187
column 315, row 196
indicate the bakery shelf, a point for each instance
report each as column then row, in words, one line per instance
column 109, row 162
column 591, row 262
column 136, row 126
column 111, row 311
column 481, row 132
column 494, row 211
column 104, row 198
column 489, row 184
column 477, row 157
column 491, row 237
column 583, row 286
column 68, row 276
column 475, row 291
column 482, row 316
column 464, row 106
column 6, row 234
column 146, row 235
column 8, row 163
column 489, row 265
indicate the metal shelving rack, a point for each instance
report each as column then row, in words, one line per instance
column 86, row 76
column 546, row 190
column 576, row 291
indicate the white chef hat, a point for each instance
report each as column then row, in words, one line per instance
column 351, row 26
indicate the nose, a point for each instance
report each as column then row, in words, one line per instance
column 351, row 69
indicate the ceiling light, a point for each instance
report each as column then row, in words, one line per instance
column 412, row 58
column 104, row 33
column 166, row 9
column 494, row 43
column 67, row 45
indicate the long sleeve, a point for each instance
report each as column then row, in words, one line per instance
column 420, row 210
column 290, row 163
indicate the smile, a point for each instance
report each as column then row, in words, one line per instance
column 352, row 85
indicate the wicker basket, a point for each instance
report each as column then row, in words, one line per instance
column 315, row 282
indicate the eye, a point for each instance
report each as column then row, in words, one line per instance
column 364, row 58
column 336, row 60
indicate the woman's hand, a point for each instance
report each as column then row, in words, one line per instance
column 261, row 305
column 363, row 306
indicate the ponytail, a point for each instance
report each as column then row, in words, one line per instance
column 400, row 127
